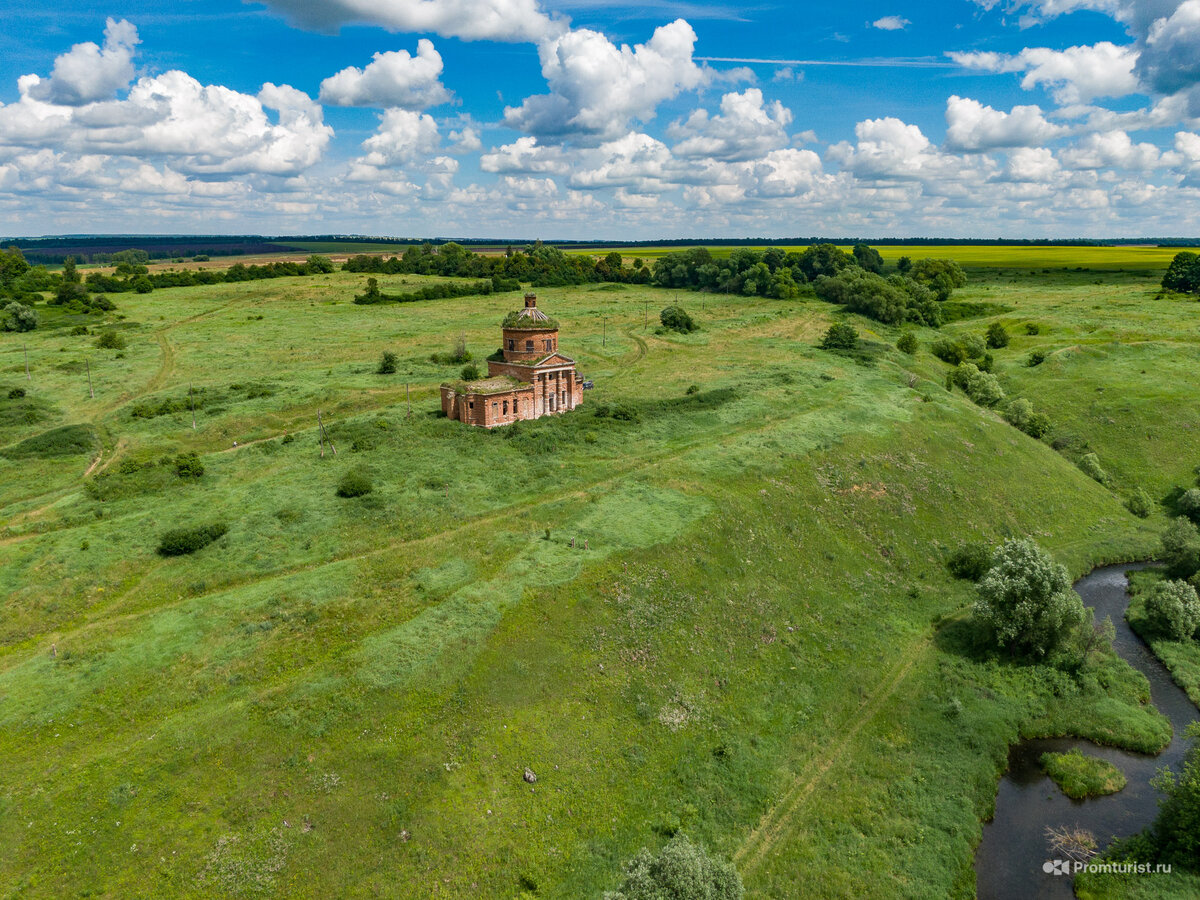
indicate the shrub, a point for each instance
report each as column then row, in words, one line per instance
column 181, row 541
column 982, row 387
column 970, row 561
column 16, row 393
column 1089, row 464
column 997, row 336
column 1026, row 601
column 676, row 318
column 681, row 870
column 1080, row 776
column 1018, row 413
column 1173, row 836
column 949, row 351
column 618, row 411
column 143, row 285
column 1038, row 426
column 974, row 346
column 188, row 465
column 18, row 317
column 470, row 372
column 692, row 389
column 1173, row 609
column 908, row 343
column 1035, row 358
column 1140, row 504
column 1033, row 328
column 110, row 340
column 840, row 337
column 387, row 363
column 1189, row 504
column 1181, row 548
column 355, row 483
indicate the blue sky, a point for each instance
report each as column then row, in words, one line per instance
column 575, row 119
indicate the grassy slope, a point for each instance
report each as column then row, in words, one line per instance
column 383, row 669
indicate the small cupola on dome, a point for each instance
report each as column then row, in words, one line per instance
column 531, row 311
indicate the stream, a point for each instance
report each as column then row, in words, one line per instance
column 1008, row 862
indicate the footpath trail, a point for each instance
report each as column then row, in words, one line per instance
column 776, row 824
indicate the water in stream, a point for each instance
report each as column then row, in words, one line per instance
column 1008, row 863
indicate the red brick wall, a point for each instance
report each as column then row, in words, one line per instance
column 521, row 336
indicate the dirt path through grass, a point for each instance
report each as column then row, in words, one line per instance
column 776, row 823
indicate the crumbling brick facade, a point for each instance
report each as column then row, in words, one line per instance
column 532, row 380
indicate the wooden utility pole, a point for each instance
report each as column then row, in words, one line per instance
column 192, row 404
column 91, row 390
column 324, row 436
column 25, row 348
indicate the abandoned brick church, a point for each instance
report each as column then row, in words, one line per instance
column 527, row 378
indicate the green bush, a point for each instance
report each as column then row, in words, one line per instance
column 143, row 285
column 676, row 318
column 16, row 393
column 110, row 340
column 387, row 363
column 997, row 336
column 1173, row 610
column 1035, row 358
column 1140, row 504
column 970, row 561
column 974, row 346
column 470, row 372
column 1189, row 504
column 982, row 387
column 1089, row 464
column 1038, row 426
column 181, row 541
column 1026, row 602
column 1033, row 328
column 188, row 465
column 1020, row 415
column 949, row 351
column 1082, row 776
column 355, row 483
column 681, row 870
column 1181, row 548
column 908, row 343
column 1175, row 834
column 840, row 337
column 18, row 317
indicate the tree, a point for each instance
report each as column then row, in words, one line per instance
column 676, row 318
column 908, row 343
column 903, row 265
column 941, row 276
column 823, row 259
column 997, row 336
column 1181, row 548
column 1173, row 610
column 680, row 871
column 12, row 266
column 1175, row 834
column 1189, row 504
column 1026, row 602
column 840, row 337
column 19, row 317
column 1183, row 274
column 868, row 258
column 319, row 265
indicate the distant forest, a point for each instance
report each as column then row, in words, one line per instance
column 99, row 248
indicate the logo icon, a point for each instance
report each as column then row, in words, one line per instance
column 1056, row 867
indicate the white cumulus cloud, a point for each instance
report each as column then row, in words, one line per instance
column 1074, row 75
column 746, row 128
column 971, row 126
column 86, row 72
column 470, row 20
column 597, row 88
column 891, row 23
column 391, row 79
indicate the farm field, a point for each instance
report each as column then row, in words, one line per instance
column 725, row 612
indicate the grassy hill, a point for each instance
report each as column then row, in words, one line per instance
column 759, row 645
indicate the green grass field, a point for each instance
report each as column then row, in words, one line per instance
column 760, row 645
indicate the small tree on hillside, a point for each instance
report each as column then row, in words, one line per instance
column 1173, row 609
column 840, row 337
column 1181, row 548
column 676, row 318
column 1183, row 274
column 680, row 871
column 1026, row 601
column 997, row 336
column 387, row 363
